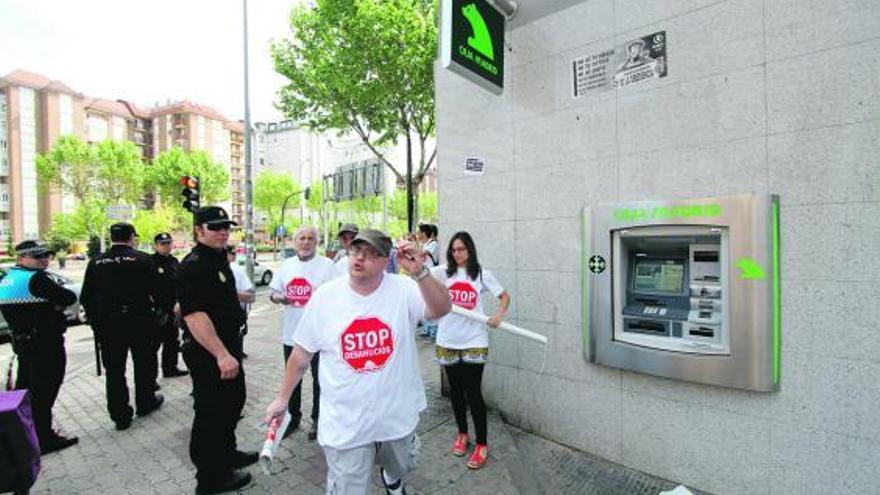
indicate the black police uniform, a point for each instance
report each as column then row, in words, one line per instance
column 166, row 297
column 118, row 293
column 38, row 325
column 206, row 284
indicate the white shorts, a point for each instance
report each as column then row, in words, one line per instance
column 349, row 470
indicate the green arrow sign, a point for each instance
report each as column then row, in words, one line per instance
column 472, row 41
column 749, row 269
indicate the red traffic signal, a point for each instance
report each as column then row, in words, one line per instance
column 189, row 181
column 190, row 192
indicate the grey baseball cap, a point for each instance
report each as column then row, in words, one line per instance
column 375, row 238
column 348, row 227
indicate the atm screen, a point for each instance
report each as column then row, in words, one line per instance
column 659, row 275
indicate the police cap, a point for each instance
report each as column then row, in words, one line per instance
column 162, row 237
column 32, row 249
column 213, row 215
column 122, row 231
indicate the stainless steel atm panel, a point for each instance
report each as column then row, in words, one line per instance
column 685, row 289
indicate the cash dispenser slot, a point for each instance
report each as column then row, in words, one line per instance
column 702, row 332
column 650, row 327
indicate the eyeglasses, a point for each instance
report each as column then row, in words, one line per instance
column 164, row 243
column 367, row 252
column 40, row 256
column 218, row 226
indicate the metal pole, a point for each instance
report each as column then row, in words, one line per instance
column 248, row 183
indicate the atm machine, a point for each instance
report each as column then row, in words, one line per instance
column 685, row 289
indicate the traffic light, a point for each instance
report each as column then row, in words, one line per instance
column 190, row 192
column 308, row 192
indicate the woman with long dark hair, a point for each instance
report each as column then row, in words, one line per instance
column 463, row 344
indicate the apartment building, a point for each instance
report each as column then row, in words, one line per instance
column 35, row 111
column 284, row 147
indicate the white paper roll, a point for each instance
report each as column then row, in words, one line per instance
column 507, row 327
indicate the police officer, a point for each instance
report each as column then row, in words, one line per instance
column 166, row 334
column 212, row 351
column 33, row 306
column 118, row 293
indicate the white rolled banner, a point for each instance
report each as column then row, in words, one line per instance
column 507, row 327
column 273, row 437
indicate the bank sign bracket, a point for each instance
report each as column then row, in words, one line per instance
column 472, row 42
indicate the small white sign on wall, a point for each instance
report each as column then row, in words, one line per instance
column 474, row 165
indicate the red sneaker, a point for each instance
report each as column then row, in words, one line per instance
column 479, row 457
column 460, row 446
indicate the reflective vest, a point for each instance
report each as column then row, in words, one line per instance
column 15, row 287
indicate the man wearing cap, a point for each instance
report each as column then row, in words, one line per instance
column 33, row 306
column 212, row 350
column 371, row 388
column 166, row 331
column 293, row 285
column 346, row 234
column 118, row 292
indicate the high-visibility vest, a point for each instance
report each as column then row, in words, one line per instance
column 15, row 287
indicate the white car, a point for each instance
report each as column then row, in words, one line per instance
column 262, row 273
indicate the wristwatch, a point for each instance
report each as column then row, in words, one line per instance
column 424, row 272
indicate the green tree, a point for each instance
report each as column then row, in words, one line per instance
column 270, row 191
column 67, row 226
column 119, row 175
column 367, row 67
column 148, row 223
column 163, row 177
column 69, row 165
column 428, row 207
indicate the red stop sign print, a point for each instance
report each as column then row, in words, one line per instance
column 463, row 294
column 367, row 344
column 299, row 291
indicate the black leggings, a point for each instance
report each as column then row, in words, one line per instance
column 465, row 380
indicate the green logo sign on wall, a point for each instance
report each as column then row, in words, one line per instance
column 472, row 41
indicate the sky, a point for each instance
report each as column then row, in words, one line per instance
column 152, row 51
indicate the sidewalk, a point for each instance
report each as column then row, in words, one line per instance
column 152, row 457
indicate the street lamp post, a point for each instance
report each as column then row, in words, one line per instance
column 284, row 207
column 248, row 182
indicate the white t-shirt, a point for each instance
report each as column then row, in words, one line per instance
column 431, row 247
column 340, row 266
column 242, row 282
column 371, row 385
column 458, row 332
column 298, row 280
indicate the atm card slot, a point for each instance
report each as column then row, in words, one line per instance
column 705, row 304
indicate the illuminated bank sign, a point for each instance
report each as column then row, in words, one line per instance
column 472, row 42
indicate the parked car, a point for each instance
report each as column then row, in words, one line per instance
column 262, row 273
column 75, row 313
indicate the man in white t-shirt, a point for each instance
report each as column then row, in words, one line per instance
column 245, row 288
column 296, row 281
column 372, row 393
column 346, row 235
